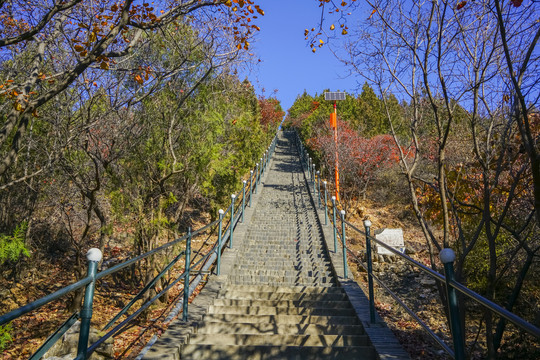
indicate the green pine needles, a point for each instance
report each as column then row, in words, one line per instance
column 5, row 336
column 12, row 246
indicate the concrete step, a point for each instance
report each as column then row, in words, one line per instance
column 283, row 248
column 269, row 279
column 283, row 272
column 302, row 265
column 310, row 261
column 282, row 319
column 285, row 253
column 263, row 328
column 292, row 283
column 213, row 352
column 270, row 339
column 284, row 303
column 231, row 294
column 284, row 289
column 268, row 310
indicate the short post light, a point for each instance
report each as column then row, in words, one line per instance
column 250, row 186
column 448, row 257
column 313, row 177
column 93, row 256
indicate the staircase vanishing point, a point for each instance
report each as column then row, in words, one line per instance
column 279, row 296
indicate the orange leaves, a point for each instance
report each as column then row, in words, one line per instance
column 460, row 5
column 103, row 62
column 332, row 27
column 143, row 74
column 243, row 15
column 259, row 10
column 372, row 13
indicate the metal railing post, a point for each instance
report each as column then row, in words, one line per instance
column 220, row 237
column 260, row 172
column 256, row 176
column 319, row 187
column 313, row 179
column 231, row 225
column 243, row 199
column 186, row 279
column 325, row 204
column 309, row 167
column 448, row 257
column 367, row 226
column 334, row 224
column 94, row 256
column 344, row 245
column 250, row 186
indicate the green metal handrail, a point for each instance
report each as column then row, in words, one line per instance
column 447, row 257
column 94, row 256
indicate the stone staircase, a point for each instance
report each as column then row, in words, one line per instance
column 280, row 297
column 281, row 300
column 280, row 322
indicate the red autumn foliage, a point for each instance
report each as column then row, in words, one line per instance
column 360, row 159
column 271, row 112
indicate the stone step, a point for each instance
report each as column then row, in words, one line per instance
column 292, row 283
column 231, row 294
column 268, row 279
column 270, row 310
column 283, row 319
column 263, row 328
column 289, row 247
column 293, row 254
column 270, row 339
column 284, row 289
column 283, row 272
column 301, row 265
column 213, row 352
column 284, row 303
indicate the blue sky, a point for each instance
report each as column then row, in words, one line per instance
column 287, row 62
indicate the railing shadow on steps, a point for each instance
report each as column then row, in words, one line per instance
column 447, row 257
column 192, row 275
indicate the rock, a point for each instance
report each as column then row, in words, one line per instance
column 410, row 251
column 66, row 347
column 401, row 269
column 428, row 282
